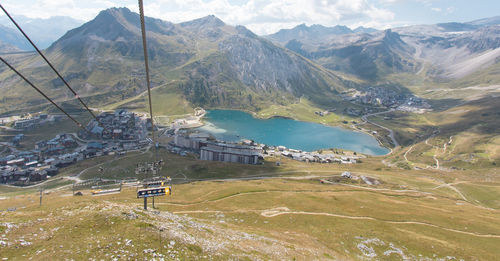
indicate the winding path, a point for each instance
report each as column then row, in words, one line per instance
column 278, row 213
column 391, row 132
column 406, row 153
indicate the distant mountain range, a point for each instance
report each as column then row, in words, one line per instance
column 208, row 63
column 42, row 31
column 314, row 34
column 450, row 50
column 204, row 62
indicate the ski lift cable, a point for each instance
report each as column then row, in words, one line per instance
column 43, row 94
column 50, row 64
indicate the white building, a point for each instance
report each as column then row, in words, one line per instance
column 231, row 153
column 191, row 141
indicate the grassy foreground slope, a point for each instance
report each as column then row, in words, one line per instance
column 414, row 214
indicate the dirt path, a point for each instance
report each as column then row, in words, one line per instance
column 239, row 194
column 285, row 211
column 435, row 148
column 438, row 148
column 281, row 211
column 452, row 187
column 406, row 153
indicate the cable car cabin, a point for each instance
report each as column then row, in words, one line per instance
column 153, row 192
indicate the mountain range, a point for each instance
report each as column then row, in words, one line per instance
column 448, row 50
column 208, row 63
column 43, row 31
column 205, row 62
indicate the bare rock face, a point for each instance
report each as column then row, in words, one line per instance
column 261, row 64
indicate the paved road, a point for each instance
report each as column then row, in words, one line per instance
column 391, row 132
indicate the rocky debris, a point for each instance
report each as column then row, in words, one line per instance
column 395, row 250
column 8, row 226
column 377, row 249
column 24, row 243
column 130, row 215
column 367, row 250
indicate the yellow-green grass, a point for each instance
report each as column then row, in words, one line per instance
column 483, row 194
column 304, row 110
column 408, row 127
column 166, row 101
column 313, row 221
column 54, row 183
column 471, row 127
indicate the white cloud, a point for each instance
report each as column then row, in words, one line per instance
column 261, row 16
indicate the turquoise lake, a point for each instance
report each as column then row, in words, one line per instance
column 231, row 125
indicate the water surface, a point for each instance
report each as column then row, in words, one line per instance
column 231, row 125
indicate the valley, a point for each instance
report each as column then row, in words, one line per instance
column 427, row 95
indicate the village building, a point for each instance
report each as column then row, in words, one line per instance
column 192, row 141
column 26, row 124
column 231, row 153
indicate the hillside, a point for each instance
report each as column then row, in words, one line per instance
column 11, row 37
column 43, row 31
column 8, row 48
column 204, row 62
column 289, row 215
column 437, row 53
column 370, row 57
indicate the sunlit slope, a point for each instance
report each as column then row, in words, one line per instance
column 208, row 62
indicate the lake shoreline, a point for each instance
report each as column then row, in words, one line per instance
column 256, row 115
column 347, row 141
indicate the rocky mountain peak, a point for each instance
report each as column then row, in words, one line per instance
column 204, row 22
column 391, row 37
column 244, row 31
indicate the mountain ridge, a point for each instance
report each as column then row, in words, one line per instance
column 105, row 56
column 43, row 31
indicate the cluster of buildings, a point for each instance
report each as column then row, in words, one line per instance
column 118, row 125
column 214, row 150
column 312, row 156
column 22, row 176
column 246, row 152
column 58, row 145
column 23, row 167
column 121, row 131
column 380, row 96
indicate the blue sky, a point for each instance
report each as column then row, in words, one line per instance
column 268, row 16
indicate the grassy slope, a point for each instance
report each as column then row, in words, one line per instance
column 473, row 128
column 227, row 209
column 304, row 110
column 232, row 208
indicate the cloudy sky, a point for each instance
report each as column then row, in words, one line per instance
column 268, row 16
